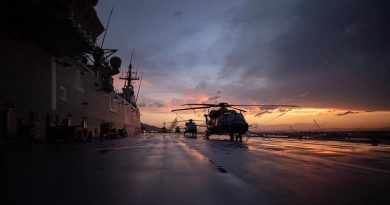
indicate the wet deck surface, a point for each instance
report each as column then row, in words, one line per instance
column 170, row 169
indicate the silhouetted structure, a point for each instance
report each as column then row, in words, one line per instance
column 56, row 83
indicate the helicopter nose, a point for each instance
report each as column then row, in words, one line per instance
column 240, row 127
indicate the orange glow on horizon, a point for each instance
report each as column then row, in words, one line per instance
column 299, row 119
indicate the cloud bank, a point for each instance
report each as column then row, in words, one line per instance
column 325, row 53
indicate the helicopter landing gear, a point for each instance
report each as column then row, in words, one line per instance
column 238, row 137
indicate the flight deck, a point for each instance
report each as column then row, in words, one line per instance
column 172, row 169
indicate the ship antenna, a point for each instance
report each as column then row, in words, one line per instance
column 131, row 58
column 105, row 31
column 136, row 71
column 129, row 71
column 139, row 87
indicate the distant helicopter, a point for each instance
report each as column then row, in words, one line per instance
column 172, row 125
column 224, row 120
column 190, row 128
column 177, row 129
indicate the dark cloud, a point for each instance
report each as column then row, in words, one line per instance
column 263, row 112
column 157, row 104
column 170, row 52
column 202, row 86
column 325, row 53
column 214, row 99
column 334, row 51
column 145, row 102
column 347, row 113
column 268, row 107
column 280, row 115
column 177, row 102
column 141, row 104
column 178, row 14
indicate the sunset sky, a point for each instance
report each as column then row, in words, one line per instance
column 330, row 57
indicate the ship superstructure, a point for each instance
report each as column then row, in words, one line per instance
column 56, row 83
column 129, row 78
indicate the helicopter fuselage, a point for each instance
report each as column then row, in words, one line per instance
column 191, row 129
column 225, row 121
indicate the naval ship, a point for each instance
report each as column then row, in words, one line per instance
column 56, row 83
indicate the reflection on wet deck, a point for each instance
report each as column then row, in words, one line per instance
column 340, row 153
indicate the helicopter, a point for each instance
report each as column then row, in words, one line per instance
column 190, row 127
column 224, row 120
column 177, row 129
column 171, row 127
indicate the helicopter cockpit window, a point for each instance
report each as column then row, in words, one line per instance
column 233, row 117
column 191, row 126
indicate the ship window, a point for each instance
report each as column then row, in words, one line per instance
column 62, row 93
column 114, row 106
column 78, row 83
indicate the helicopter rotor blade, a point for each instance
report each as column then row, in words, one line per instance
column 238, row 109
column 204, row 104
column 266, row 105
column 193, row 108
column 191, row 120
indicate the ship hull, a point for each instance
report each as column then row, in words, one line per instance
column 45, row 94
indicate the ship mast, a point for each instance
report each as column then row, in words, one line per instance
column 129, row 78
